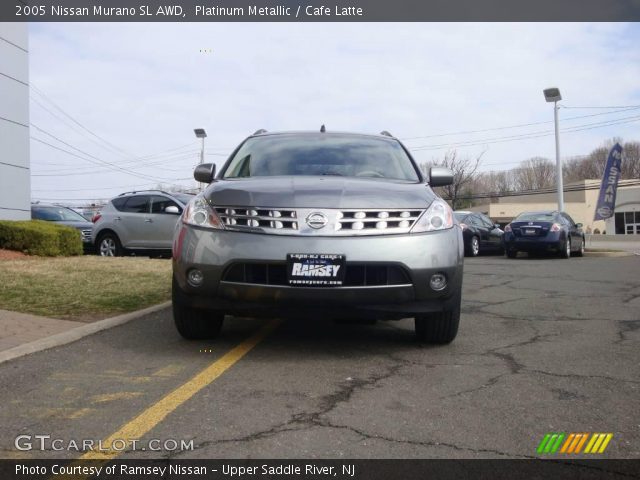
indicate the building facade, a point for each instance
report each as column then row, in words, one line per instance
column 580, row 203
column 626, row 219
column 15, row 173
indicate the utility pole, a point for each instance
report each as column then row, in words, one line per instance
column 553, row 95
column 201, row 134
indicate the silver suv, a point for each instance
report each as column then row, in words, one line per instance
column 138, row 222
column 304, row 224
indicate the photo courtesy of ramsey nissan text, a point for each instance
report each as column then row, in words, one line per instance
column 345, row 240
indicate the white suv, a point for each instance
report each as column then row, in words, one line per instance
column 138, row 222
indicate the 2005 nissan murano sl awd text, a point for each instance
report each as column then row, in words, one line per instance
column 336, row 225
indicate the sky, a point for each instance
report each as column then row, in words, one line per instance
column 122, row 100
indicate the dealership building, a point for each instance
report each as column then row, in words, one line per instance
column 579, row 202
column 15, row 180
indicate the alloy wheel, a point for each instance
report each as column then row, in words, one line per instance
column 108, row 247
column 475, row 246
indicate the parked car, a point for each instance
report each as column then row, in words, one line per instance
column 138, row 222
column 480, row 234
column 546, row 231
column 335, row 225
column 64, row 216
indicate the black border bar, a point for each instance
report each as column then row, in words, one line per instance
column 175, row 469
column 310, row 11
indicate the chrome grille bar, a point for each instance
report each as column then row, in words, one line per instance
column 339, row 222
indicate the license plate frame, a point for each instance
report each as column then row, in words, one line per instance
column 316, row 269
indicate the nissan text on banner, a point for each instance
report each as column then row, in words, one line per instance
column 609, row 186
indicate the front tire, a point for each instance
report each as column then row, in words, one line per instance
column 580, row 252
column 193, row 323
column 473, row 250
column 440, row 327
column 510, row 253
column 109, row 245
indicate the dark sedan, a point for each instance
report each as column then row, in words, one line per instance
column 546, row 231
column 65, row 216
column 479, row 232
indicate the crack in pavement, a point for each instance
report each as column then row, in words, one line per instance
column 626, row 326
column 308, row 420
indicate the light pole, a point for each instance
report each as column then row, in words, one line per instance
column 200, row 133
column 553, row 95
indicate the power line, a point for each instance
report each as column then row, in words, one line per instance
column 142, row 165
column 88, row 160
column 91, row 188
column 108, row 165
column 91, row 139
column 526, row 136
column 595, row 107
column 15, row 44
column 106, row 142
column 464, row 132
column 13, row 121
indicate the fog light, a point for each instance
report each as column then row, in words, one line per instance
column 438, row 281
column 195, row 277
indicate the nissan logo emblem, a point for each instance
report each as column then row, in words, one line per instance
column 317, row 220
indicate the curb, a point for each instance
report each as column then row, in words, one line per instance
column 608, row 253
column 77, row 333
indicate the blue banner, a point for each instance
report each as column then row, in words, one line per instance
column 609, row 186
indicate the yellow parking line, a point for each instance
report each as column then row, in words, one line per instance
column 151, row 417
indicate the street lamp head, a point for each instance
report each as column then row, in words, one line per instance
column 200, row 133
column 552, row 94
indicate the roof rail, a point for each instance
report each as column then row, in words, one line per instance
column 386, row 134
column 260, row 132
column 142, row 191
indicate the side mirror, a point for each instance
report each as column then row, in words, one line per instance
column 440, row 176
column 172, row 209
column 205, row 172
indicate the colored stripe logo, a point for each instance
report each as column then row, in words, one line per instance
column 573, row 443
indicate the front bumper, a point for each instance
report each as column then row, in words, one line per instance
column 421, row 255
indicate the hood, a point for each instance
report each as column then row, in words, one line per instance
column 78, row 225
column 319, row 192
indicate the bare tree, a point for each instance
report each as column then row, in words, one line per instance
column 631, row 160
column 464, row 171
column 173, row 188
column 534, row 174
column 494, row 182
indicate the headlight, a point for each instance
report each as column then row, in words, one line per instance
column 438, row 216
column 200, row 213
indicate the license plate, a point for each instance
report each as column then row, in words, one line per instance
column 529, row 231
column 315, row 269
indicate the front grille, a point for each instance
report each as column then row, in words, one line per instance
column 382, row 221
column 251, row 218
column 338, row 222
column 86, row 234
column 356, row 274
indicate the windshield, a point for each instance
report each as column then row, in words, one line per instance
column 56, row 214
column 322, row 154
column 536, row 217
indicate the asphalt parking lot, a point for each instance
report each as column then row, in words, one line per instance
column 544, row 345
